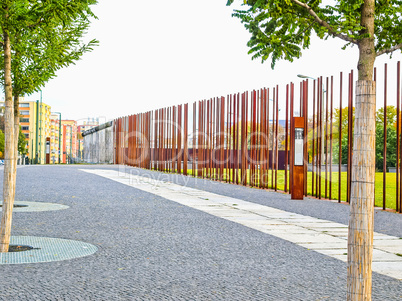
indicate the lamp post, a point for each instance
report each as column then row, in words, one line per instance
column 59, row 133
column 322, row 103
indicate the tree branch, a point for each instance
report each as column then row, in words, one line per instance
column 324, row 24
column 389, row 50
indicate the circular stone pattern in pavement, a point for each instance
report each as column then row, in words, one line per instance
column 46, row 250
column 37, row 206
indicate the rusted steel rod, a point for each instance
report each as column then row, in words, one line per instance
column 340, row 139
column 305, row 115
column 326, row 138
column 398, row 144
column 313, row 159
column 286, row 138
column 276, row 138
column 240, row 141
column 384, row 172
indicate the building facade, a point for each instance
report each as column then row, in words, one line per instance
column 55, row 139
column 69, row 141
column 36, row 126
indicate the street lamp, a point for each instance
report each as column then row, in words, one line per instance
column 305, row 76
column 59, row 133
column 322, row 105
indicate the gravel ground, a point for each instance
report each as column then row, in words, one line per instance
column 154, row 249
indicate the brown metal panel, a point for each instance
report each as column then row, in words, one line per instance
column 297, row 171
column 384, row 173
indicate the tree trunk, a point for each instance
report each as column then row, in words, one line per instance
column 361, row 220
column 16, row 128
column 9, row 155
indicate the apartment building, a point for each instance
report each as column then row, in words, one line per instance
column 55, row 139
column 35, row 125
column 69, row 141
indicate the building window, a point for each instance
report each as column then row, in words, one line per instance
column 26, row 136
column 25, row 128
column 24, row 119
column 24, row 112
column 24, row 105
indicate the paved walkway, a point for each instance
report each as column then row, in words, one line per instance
column 326, row 237
column 239, row 244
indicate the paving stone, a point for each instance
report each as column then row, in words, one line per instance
column 151, row 248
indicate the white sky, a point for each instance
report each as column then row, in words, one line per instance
column 158, row 53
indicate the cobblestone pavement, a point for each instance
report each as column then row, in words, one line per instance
column 150, row 248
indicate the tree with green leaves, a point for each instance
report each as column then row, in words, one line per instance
column 22, row 144
column 281, row 30
column 37, row 38
column 391, row 116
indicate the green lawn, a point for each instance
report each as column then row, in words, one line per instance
column 390, row 200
